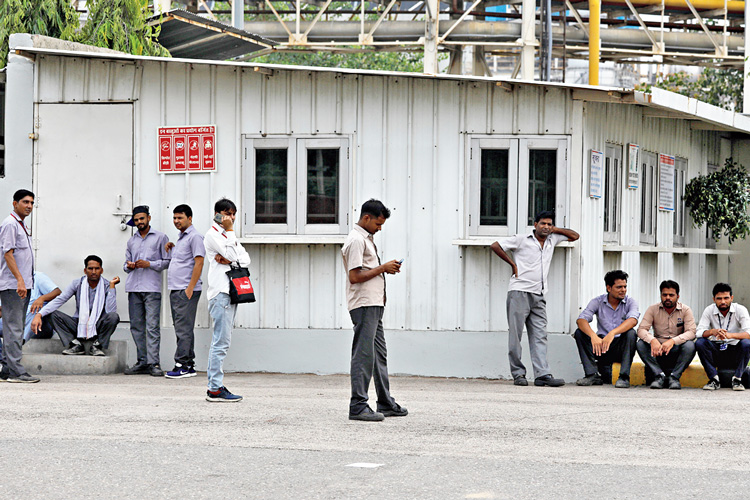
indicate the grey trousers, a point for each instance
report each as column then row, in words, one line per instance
column 369, row 359
column 674, row 363
column 67, row 327
column 14, row 322
column 183, row 317
column 145, row 309
column 530, row 309
column 622, row 350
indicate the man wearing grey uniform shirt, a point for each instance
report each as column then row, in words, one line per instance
column 16, row 282
column 526, row 304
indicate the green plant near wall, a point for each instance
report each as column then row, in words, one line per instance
column 720, row 201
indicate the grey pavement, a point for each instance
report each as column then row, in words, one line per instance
column 140, row 437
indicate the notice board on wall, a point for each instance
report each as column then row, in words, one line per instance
column 666, row 182
column 596, row 174
column 187, row 149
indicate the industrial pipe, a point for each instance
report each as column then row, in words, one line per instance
column 595, row 10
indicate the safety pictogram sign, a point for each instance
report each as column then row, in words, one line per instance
column 187, row 149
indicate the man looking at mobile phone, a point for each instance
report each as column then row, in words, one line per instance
column 184, row 284
column 365, row 295
column 222, row 250
column 145, row 258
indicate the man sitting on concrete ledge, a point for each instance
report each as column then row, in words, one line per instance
column 95, row 319
column 669, row 351
column 614, row 340
column 723, row 338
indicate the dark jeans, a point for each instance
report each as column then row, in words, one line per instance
column 145, row 309
column 712, row 358
column 674, row 363
column 369, row 359
column 622, row 350
column 67, row 328
column 183, row 317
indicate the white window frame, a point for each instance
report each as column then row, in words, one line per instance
column 649, row 196
column 613, row 182
column 518, row 181
column 297, row 147
column 680, row 221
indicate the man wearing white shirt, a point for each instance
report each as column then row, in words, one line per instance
column 723, row 339
column 525, row 303
column 222, row 249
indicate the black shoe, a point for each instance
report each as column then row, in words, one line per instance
column 138, row 369
column 96, row 349
column 674, row 383
column 660, row 382
column 737, row 384
column 396, row 411
column 549, row 381
column 520, row 380
column 622, row 383
column 222, row 395
column 75, row 349
column 4, row 373
column 155, row 370
column 368, row 415
column 24, row 379
column 588, row 380
column 712, row 385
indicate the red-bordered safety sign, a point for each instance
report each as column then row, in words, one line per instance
column 187, row 149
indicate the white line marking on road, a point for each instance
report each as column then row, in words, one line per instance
column 364, row 465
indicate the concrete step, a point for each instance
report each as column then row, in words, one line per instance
column 43, row 357
column 694, row 376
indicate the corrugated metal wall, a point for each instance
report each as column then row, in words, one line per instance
column 408, row 139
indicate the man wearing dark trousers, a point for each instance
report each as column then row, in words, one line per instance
column 16, row 282
column 145, row 258
column 95, row 319
column 365, row 294
column 526, row 304
column 724, row 338
column 184, row 284
column 668, row 352
column 616, row 315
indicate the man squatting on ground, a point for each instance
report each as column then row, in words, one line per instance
column 16, row 278
column 184, row 283
column 365, row 296
column 95, row 319
column 616, row 317
column 526, row 303
column 723, row 338
column 145, row 258
column 668, row 352
column 222, row 249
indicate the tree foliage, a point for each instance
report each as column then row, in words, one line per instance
column 383, row 61
column 720, row 87
column 121, row 25
column 56, row 18
column 720, row 201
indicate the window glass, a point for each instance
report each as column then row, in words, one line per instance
column 542, row 181
column 271, row 186
column 322, row 186
column 493, row 204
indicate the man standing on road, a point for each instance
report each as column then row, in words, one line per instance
column 222, row 249
column 616, row 318
column 184, row 284
column 16, row 279
column 365, row 296
column 526, row 304
column 723, row 338
column 671, row 348
column 95, row 319
column 145, row 258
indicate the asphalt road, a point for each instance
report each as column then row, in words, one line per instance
column 146, row 438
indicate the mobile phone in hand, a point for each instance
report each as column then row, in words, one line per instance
column 218, row 218
column 401, row 261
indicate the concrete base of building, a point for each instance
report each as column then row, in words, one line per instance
column 43, row 357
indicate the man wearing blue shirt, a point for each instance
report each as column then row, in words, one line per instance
column 615, row 337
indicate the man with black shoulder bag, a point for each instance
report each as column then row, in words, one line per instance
column 222, row 252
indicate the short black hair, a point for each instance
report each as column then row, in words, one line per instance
column 669, row 284
column 183, row 209
column 722, row 287
column 95, row 258
column 225, row 204
column 612, row 276
column 546, row 214
column 21, row 194
column 374, row 208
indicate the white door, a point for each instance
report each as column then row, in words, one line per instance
column 83, row 181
